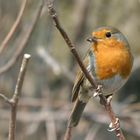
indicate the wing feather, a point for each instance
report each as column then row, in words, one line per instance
column 79, row 80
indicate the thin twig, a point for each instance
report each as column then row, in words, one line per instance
column 16, row 95
column 107, row 105
column 24, row 42
column 14, row 27
column 68, row 133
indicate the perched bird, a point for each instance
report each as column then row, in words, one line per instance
column 109, row 61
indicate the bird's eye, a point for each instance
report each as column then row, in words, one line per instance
column 108, row 34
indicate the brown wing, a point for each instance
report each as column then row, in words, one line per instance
column 79, row 80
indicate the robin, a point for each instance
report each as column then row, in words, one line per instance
column 109, row 61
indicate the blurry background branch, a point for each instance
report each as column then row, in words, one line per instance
column 98, row 116
column 14, row 27
column 91, row 135
column 55, row 66
column 51, row 127
column 23, row 41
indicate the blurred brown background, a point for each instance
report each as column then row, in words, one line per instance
column 45, row 103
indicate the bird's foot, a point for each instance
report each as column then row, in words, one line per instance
column 115, row 126
column 98, row 91
column 109, row 99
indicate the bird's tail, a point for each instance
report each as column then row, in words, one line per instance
column 76, row 113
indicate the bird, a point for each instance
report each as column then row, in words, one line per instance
column 109, row 61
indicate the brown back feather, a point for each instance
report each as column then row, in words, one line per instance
column 79, row 80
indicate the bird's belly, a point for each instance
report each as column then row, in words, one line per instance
column 113, row 84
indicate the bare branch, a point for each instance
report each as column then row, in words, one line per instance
column 24, row 42
column 68, row 133
column 16, row 95
column 14, row 27
column 115, row 123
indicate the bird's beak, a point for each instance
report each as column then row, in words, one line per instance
column 92, row 39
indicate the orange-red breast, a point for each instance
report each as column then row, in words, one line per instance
column 109, row 61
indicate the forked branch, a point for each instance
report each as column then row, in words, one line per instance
column 16, row 95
